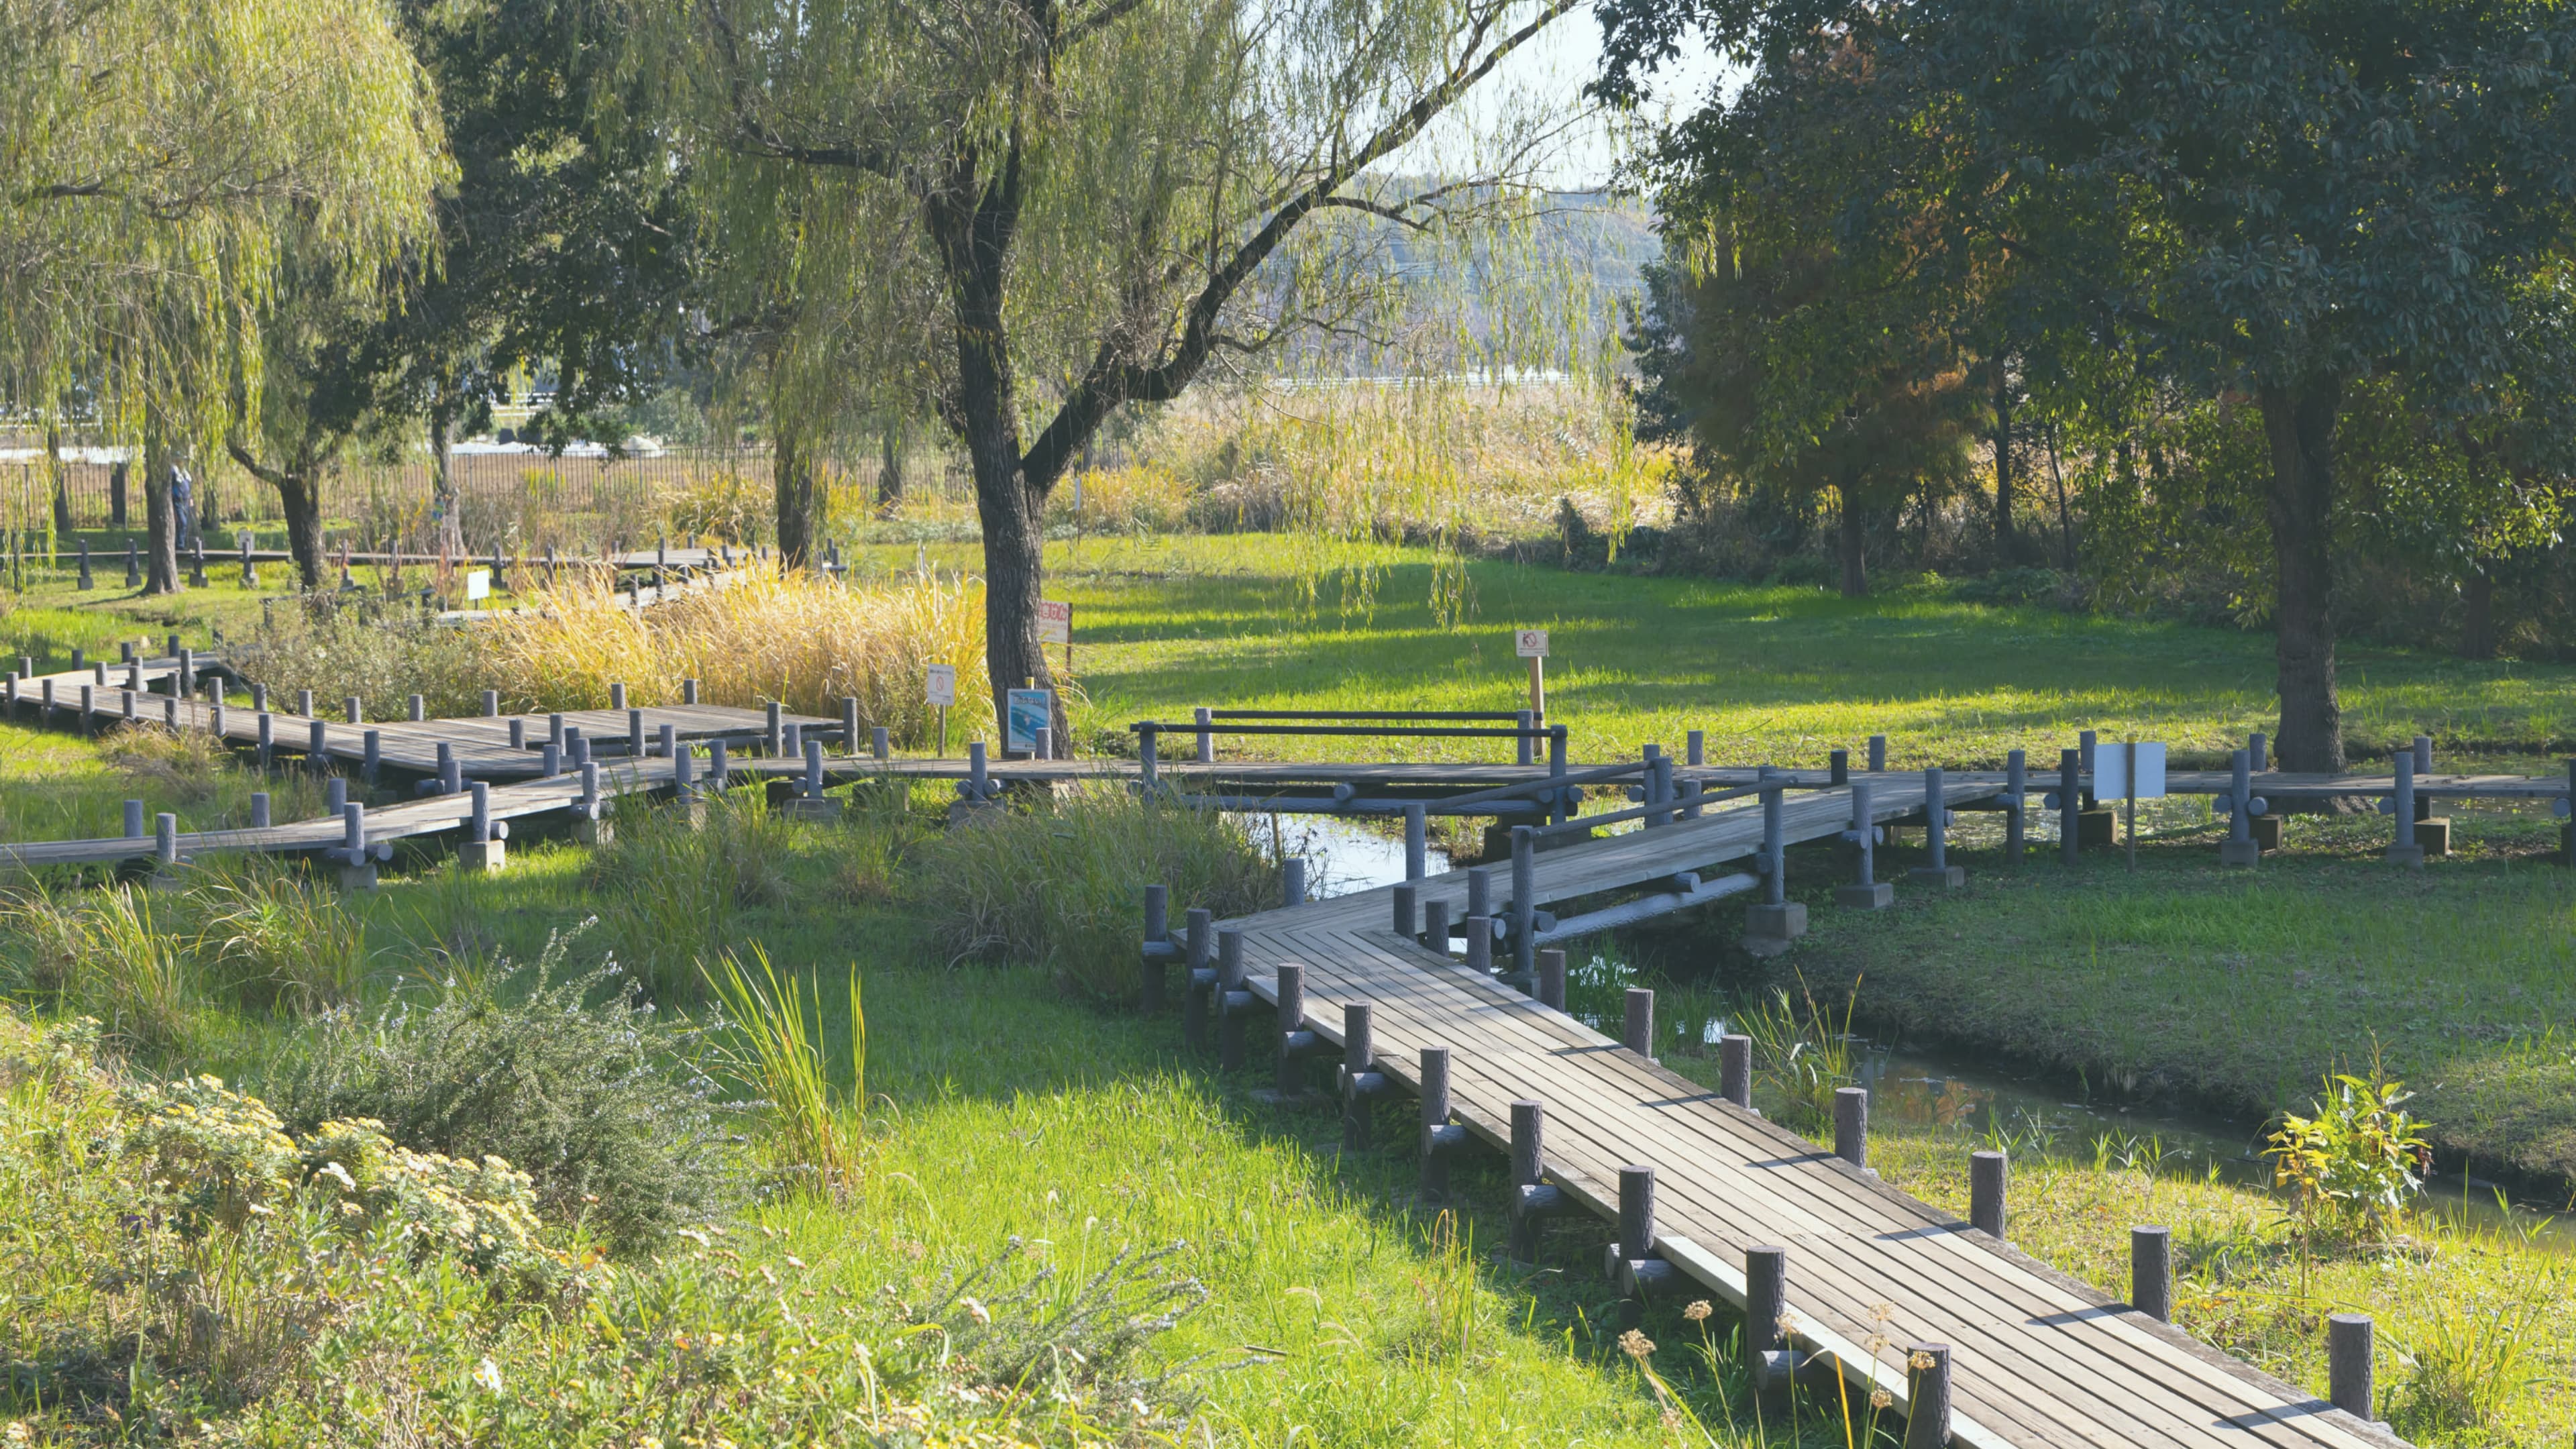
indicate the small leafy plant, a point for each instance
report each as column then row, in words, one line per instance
column 2356, row 1162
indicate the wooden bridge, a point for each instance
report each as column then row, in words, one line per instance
column 1840, row 1275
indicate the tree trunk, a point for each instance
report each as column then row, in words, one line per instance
column 1854, row 536
column 160, row 520
column 62, row 482
column 300, row 496
column 2477, row 596
column 890, row 471
column 2007, row 546
column 446, row 506
column 1014, row 535
column 2299, row 424
column 792, row 482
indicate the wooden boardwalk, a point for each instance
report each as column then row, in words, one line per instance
column 2038, row 1359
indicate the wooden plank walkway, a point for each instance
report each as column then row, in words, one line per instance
column 2038, row 1358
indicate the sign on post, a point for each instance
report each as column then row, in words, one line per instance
column 1055, row 622
column 1024, row 713
column 940, row 682
column 2111, row 771
column 478, row 584
column 1531, row 644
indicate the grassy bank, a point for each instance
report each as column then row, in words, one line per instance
column 1774, row 674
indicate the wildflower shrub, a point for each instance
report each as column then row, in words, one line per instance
column 1060, row 884
column 589, row 1090
column 187, row 1267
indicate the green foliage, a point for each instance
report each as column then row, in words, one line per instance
column 1802, row 1055
column 592, row 1093
column 2357, row 1161
column 675, row 887
column 1061, row 885
column 382, row 651
column 774, row 1042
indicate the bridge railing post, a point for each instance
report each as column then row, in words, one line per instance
column 2350, row 1367
column 1233, row 1003
column 1637, row 1028
column 1551, row 979
column 1360, row 1078
column 1851, row 1126
column 1417, row 841
column 2151, row 1272
column 1927, row 1396
column 1199, row 982
column 1735, row 1070
column 1524, row 902
column 1440, row 1136
column 1987, row 1176
column 2016, row 807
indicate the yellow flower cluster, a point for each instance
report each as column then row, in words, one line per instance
column 225, row 1157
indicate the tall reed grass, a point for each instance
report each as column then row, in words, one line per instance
column 803, row 641
column 1061, row 885
column 774, row 1045
column 670, row 886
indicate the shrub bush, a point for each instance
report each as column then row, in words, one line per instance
column 1063, row 885
column 591, row 1092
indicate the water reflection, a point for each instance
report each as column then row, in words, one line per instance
column 1341, row 856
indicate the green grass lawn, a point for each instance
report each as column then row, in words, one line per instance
column 1773, row 674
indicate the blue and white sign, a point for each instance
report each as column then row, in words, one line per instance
column 1024, row 713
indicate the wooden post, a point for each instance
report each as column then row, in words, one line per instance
column 1417, row 841
column 2349, row 1367
column 1406, row 921
column 335, row 794
column 371, row 768
column 1296, row 1039
column 1878, row 754
column 1927, row 1396
column 1637, row 1030
column 1524, row 901
column 2239, row 847
column 616, row 696
column 2129, row 788
column 1838, row 767
column 773, row 733
column 491, row 704
column 1232, row 1001
column 689, row 689
column 1538, row 688
column 1735, row 1070
column 259, row 810
column 719, row 769
column 1526, row 747
column 1532, row 1198
column 1198, row 981
column 2258, row 745
column 684, row 779
column 880, row 742
column 1551, row 980
column 555, row 729
column 1206, row 736
column 666, row 741
column 1636, row 1236
column 2070, row 804
column 304, row 703
column 1435, row 926
column 2151, row 1272
column 1292, row 881
column 1480, row 944
column 1560, row 801
column 134, row 820
column 1158, row 930
column 2402, row 805
column 318, row 751
column 850, row 725
column 1360, row 1077
column 2017, row 815
column 635, row 734
column 1440, row 1137
column 1766, row 1302
column 419, row 709
column 267, row 730
column 1987, row 1177
column 1851, row 1126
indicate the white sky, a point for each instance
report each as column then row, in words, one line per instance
column 1549, row 75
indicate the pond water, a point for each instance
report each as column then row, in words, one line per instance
column 1341, row 855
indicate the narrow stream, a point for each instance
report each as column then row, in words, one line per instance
column 1953, row 1091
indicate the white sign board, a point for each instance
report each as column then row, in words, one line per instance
column 2111, row 771
column 478, row 584
column 942, row 680
column 1530, row 643
column 1055, row 622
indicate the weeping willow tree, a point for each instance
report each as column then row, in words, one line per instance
column 1032, row 214
column 160, row 161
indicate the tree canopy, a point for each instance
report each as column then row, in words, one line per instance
column 1029, row 214
column 163, row 160
column 2270, row 200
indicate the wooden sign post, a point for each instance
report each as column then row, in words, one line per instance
column 942, row 689
column 1531, row 644
column 1055, row 626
